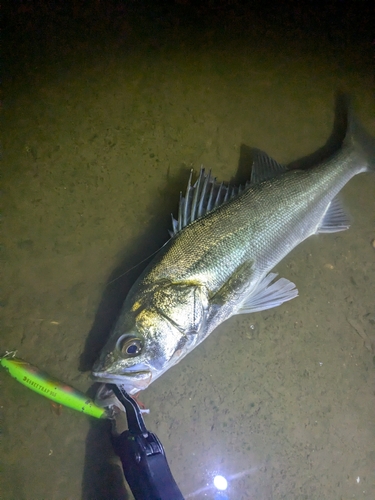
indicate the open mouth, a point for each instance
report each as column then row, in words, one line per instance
column 137, row 380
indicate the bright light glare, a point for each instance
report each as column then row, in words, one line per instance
column 220, row 483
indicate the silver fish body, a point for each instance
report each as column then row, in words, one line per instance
column 219, row 259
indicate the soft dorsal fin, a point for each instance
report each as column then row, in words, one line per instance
column 264, row 167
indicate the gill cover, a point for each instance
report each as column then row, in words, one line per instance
column 185, row 305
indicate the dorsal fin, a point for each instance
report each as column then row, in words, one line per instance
column 202, row 197
column 206, row 193
column 264, row 167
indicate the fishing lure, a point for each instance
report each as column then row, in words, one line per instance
column 49, row 387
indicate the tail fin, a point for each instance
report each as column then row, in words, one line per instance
column 361, row 141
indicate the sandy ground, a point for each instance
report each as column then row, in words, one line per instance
column 99, row 139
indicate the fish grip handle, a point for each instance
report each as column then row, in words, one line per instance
column 143, row 457
column 145, row 467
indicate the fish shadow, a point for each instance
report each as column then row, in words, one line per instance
column 133, row 261
column 334, row 142
column 103, row 478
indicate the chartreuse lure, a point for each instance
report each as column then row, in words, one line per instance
column 49, row 387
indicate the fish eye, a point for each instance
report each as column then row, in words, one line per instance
column 131, row 346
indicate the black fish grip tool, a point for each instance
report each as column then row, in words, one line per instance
column 142, row 455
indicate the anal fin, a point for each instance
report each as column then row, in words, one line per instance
column 335, row 218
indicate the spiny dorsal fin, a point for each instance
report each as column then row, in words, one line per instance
column 204, row 195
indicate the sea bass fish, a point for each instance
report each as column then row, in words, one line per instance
column 217, row 263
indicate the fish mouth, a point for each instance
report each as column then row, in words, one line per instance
column 132, row 381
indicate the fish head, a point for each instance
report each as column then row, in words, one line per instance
column 153, row 334
column 137, row 354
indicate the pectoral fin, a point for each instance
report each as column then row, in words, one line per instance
column 267, row 294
